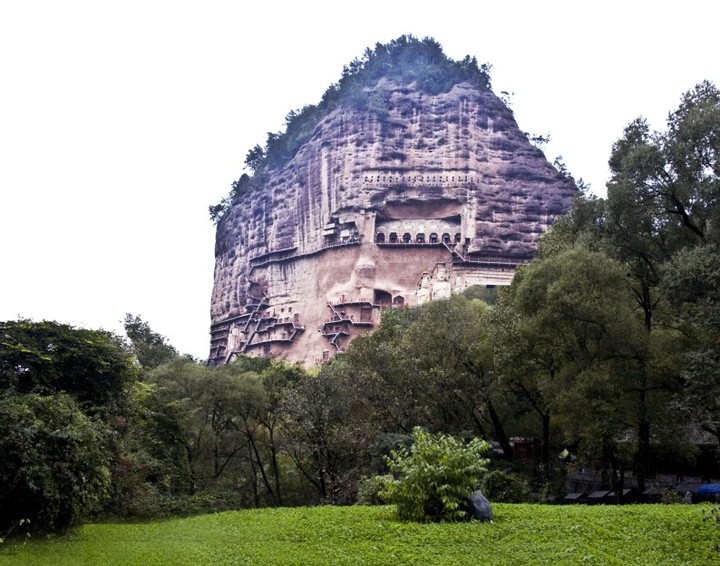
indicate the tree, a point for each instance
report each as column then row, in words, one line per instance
column 55, row 465
column 94, row 366
column 601, row 374
column 190, row 413
column 663, row 199
column 522, row 368
column 330, row 428
column 150, row 348
column 228, row 431
column 435, row 475
column 692, row 282
column 451, row 352
column 433, row 366
column 255, row 158
column 675, row 174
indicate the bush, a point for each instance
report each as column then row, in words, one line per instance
column 506, row 488
column 670, row 497
column 370, row 488
column 436, row 474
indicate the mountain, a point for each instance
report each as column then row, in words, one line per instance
column 410, row 181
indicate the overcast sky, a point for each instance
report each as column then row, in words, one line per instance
column 121, row 122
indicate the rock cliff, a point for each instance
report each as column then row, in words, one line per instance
column 378, row 209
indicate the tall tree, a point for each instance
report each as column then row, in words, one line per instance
column 663, row 198
column 60, row 387
column 692, row 281
column 55, row 465
column 598, row 370
column 93, row 366
column 150, row 348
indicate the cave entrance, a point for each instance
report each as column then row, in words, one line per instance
column 380, row 238
column 383, row 298
column 407, row 238
column 393, row 237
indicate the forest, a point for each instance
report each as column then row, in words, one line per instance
column 606, row 349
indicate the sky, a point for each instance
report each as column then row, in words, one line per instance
column 122, row 121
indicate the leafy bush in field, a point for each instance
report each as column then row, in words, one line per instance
column 670, row 497
column 505, row 487
column 436, row 474
column 370, row 488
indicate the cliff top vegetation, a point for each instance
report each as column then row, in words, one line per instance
column 405, row 60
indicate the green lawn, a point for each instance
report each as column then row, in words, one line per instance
column 520, row 534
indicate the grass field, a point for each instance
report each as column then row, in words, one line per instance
column 521, row 534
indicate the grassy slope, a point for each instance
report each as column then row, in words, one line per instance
column 521, row 534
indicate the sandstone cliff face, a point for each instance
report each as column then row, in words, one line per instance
column 422, row 198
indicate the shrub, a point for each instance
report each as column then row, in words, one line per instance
column 436, row 474
column 670, row 497
column 369, row 489
column 506, row 487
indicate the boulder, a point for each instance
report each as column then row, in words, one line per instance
column 478, row 507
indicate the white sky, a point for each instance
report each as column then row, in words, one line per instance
column 121, row 122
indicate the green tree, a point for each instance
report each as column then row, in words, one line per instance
column 255, row 158
column 94, row 366
column 330, row 429
column 600, row 373
column 451, row 351
column 692, row 282
column 434, row 366
column 435, row 475
column 55, row 465
column 150, row 348
column 662, row 199
column 48, row 360
column 226, row 430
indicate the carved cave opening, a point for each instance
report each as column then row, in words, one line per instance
column 382, row 298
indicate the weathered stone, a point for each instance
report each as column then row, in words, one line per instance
column 441, row 193
column 478, row 507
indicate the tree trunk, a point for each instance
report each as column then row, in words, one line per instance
column 498, row 428
column 275, row 467
column 642, row 454
column 545, row 449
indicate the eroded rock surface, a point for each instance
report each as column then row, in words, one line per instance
column 377, row 211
